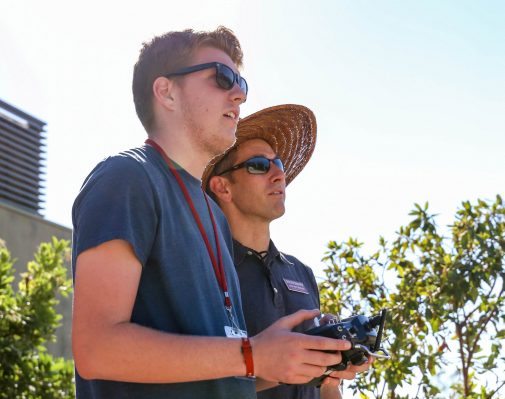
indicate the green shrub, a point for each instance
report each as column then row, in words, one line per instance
column 28, row 321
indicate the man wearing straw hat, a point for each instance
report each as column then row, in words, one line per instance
column 157, row 310
column 248, row 181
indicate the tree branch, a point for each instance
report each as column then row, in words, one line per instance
column 496, row 390
column 418, row 389
column 477, row 337
column 459, row 333
column 487, row 297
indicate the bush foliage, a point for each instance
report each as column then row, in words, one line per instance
column 28, row 321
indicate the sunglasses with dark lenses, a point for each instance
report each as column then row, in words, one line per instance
column 225, row 76
column 256, row 165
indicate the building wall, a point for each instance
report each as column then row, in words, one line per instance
column 23, row 232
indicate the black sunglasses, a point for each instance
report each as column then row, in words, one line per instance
column 225, row 76
column 256, row 165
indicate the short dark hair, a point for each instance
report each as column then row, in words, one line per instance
column 227, row 162
column 169, row 52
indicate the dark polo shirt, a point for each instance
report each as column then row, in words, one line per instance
column 271, row 288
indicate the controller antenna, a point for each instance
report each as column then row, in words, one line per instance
column 381, row 327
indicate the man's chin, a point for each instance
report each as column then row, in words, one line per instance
column 278, row 213
column 223, row 145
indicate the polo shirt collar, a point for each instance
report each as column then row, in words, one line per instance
column 240, row 252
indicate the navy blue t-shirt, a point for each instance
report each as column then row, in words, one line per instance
column 133, row 196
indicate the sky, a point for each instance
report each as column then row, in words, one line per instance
column 409, row 98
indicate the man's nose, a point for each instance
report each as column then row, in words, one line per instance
column 237, row 94
column 276, row 173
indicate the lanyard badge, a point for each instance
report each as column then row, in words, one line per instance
column 233, row 331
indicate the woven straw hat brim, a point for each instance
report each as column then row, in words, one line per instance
column 289, row 129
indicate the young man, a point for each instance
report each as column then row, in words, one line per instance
column 157, row 309
column 248, row 181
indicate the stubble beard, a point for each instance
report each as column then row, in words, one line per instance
column 262, row 211
column 205, row 141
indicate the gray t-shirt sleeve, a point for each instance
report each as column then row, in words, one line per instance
column 116, row 202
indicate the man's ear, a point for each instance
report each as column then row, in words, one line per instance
column 220, row 187
column 163, row 92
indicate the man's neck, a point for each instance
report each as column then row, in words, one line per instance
column 251, row 235
column 183, row 153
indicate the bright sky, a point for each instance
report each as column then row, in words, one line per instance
column 409, row 98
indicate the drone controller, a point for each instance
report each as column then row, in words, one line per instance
column 365, row 335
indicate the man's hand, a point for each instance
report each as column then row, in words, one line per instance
column 331, row 392
column 350, row 372
column 293, row 358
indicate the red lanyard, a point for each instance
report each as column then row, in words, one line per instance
column 216, row 264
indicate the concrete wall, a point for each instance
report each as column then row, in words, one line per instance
column 23, row 232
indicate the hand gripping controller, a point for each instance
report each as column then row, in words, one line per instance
column 365, row 335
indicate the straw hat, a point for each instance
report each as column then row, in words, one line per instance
column 289, row 129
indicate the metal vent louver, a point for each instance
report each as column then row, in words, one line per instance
column 22, row 150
